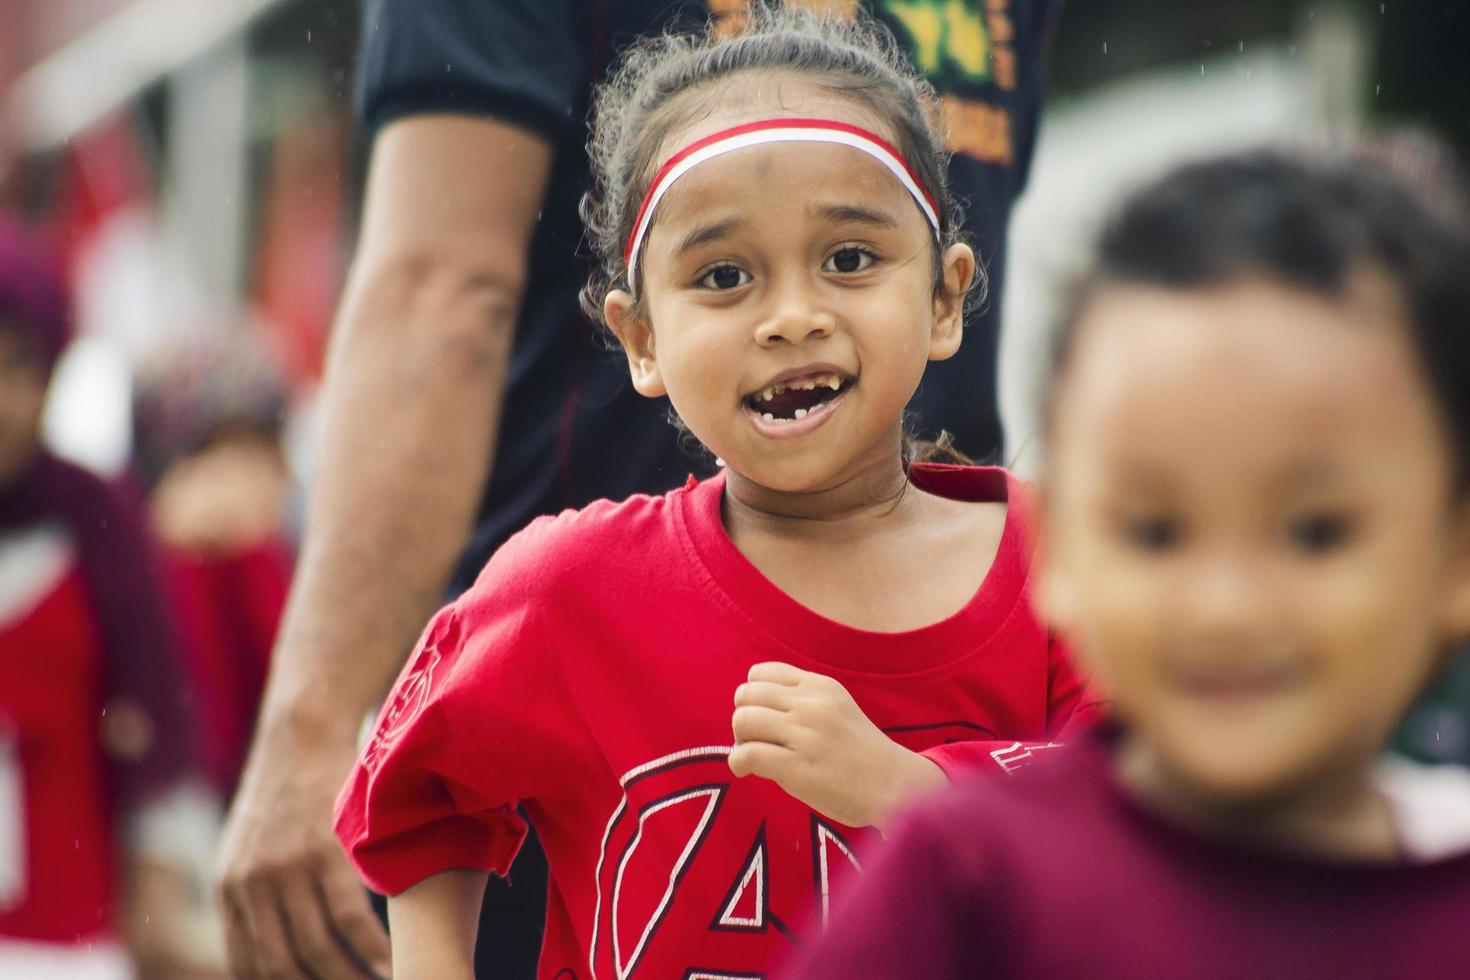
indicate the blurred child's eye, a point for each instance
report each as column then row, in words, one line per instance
column 1152, row 533
column 1318, row 533
column 848, row 260
column 724, row 277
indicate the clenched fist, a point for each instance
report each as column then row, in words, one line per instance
column 804, row 732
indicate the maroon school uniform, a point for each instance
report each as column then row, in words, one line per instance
column 589, row 676
column 1061, row 873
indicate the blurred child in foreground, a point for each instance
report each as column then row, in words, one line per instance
column 94, row 767
column 1257, row 521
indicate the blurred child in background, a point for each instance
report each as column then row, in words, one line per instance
column 1257, row 519
column 207, row 438
column 94, row 761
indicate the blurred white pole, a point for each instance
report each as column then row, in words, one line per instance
column 209, row 136
column 1091, row 151
column 119, row 57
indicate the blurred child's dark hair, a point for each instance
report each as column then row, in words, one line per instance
column 219, row 380
column 1310, row 220
column 664, row 81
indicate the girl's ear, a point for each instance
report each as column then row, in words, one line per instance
column 636, row 336
column 957, row 271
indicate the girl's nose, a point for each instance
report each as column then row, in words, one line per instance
column 793, row 322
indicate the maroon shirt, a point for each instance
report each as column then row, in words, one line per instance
column 1058, row 872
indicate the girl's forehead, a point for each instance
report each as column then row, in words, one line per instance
column 757, row 96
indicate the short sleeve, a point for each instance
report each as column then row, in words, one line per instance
column 478, row 721
column 522, row 61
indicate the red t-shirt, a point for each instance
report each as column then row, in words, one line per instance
column 57, row 840
column 227, row 608
column 589, row 675
column 1061, row 873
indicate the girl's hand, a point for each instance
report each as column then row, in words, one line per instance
column 804, row 732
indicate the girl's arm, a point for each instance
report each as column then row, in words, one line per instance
column 433, row 926
column 1071, row 708
column 804, row 731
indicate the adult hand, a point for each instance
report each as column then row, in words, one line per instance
column 293, row 906
column 805, row 732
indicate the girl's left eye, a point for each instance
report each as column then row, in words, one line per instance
column 848, row 260
column 724, row 277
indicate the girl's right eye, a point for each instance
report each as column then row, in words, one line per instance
column 724, row 277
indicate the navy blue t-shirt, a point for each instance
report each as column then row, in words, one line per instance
column 572, row 429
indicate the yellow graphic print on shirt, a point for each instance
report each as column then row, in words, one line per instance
column 957, row 44
column 948, row 36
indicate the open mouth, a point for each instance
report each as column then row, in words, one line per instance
column 796, row 398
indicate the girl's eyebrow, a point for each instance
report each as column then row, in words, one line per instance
column 708, row 233
column 854, row 214
column 834, row 213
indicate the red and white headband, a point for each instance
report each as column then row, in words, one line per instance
column 774, row 131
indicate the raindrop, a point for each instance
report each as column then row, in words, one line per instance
column 1383, row 8
column 308, row 36
column 1378, row 89
column 1242, row 47
column 1202, row 71
column 1105, row 47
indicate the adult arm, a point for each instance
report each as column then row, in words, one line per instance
column 410, row 412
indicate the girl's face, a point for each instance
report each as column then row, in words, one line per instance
column 1252, row 527
column 788, row 301
column 22, row 396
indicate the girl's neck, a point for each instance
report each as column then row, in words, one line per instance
column 1340, row 814
column 877, row 488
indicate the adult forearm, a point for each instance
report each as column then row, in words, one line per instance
column 409, row 416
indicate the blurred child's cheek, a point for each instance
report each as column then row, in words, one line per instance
column 1455, row 617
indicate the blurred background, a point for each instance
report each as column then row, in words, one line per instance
column 191, row 167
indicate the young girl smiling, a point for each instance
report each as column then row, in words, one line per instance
column 779, row 258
